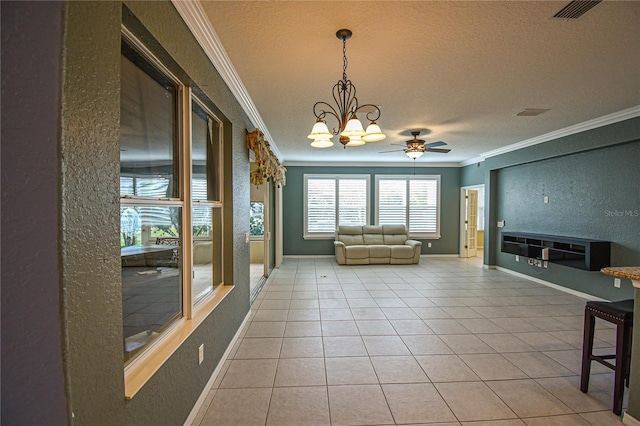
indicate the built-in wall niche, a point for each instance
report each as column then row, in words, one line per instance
column 580, row 253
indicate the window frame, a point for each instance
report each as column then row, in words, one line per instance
column 408, row 179
column 307, row 235
column 145, row 364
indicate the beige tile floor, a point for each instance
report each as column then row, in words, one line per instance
column 443, row 342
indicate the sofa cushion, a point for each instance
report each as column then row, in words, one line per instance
column 380, row 251
column 357, row 252
column 401, row 252
column 372, row 235
column 350, row 235
column 351, row 240
column 394, row 234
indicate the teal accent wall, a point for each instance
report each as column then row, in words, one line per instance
column 592, row 181
column 293, row 202
column 473, row 174
column 592, row 195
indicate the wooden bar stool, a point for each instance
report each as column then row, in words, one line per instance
column 621, row 314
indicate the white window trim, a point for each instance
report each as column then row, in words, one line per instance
column 331, row 235
column 407, row 178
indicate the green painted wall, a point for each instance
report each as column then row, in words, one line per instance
column 293, row 202
column 90, row 216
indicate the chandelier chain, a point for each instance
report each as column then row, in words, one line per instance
column 344, row 59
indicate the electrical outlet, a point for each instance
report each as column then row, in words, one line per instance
column 429, row 245
column 517, row 258
column 200, row 354
column 530, row 261
column 616, row 282
column 546, row 199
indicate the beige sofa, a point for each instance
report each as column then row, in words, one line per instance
column 369, row 244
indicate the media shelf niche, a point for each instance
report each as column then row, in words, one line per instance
column 581, row 253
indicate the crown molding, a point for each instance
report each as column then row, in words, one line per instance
column 194, row 16
column 615, row 117
column 367, row 164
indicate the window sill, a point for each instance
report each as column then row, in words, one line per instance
column 148, row 363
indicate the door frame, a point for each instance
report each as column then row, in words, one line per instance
column 463, row 213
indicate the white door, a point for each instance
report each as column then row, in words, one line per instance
column 469, row 223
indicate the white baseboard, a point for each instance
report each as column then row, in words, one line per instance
column 552, row 285
column 629, row 421
column 203, row 396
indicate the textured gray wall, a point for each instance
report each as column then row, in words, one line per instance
column 293, row 202
column 33, row 389
column 90, row 221
column 585, row 190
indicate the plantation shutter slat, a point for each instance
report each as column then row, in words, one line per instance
column 409, row 200
column 321, row 205
column 392, row 202
column 352, row 201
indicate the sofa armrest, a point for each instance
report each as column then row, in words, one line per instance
column 417, row 249
column 413, row 243
column 341, row 257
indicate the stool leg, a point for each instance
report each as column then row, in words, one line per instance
column 587, row 349
column 622, row 349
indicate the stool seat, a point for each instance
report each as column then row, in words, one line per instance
column 621, row 314
column 622, row 310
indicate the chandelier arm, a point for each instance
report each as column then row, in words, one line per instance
column 371, row 115
column 344, row 95
column 321, row 113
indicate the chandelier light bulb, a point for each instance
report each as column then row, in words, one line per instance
column 355, row 141
column 322, row 143
column 320, row 131
column 353, row 128
column 373, row 133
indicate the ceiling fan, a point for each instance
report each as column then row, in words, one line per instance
column 414, row 148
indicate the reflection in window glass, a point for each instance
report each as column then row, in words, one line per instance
column 151, row 283
column 206, row 195
column 205, row 274
column 150, row 237
column 205, row 155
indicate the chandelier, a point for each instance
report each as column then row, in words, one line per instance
column 349, row 127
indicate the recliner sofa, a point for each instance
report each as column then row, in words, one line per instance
column 373, row 244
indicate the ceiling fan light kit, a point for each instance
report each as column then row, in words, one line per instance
column 415, row 148
column 351, row 131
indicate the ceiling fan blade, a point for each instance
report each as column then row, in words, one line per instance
column 434, row 144
column 441, row 150
column 395, row 150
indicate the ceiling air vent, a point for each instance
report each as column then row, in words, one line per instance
column 576, row 9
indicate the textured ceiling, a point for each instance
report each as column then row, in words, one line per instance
column 458, row 70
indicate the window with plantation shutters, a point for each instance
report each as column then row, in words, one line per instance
column 333, row 200
column 409, row 200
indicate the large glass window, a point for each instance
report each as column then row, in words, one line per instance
column 206, row 199
column 151, row 210
column 410, row 200
column 165, row 205
column 332, row 200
